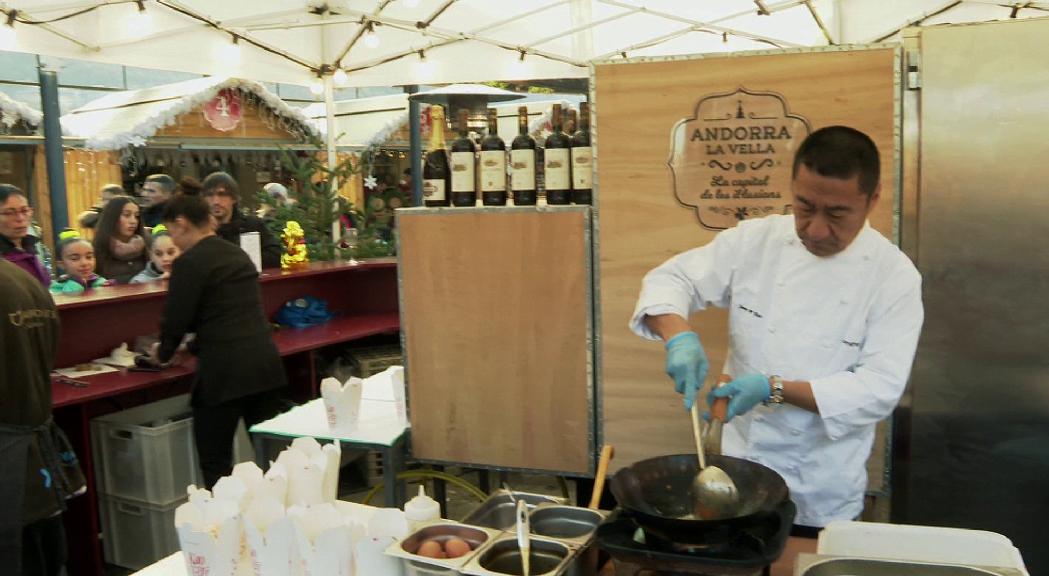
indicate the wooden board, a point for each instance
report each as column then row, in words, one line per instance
column 495, row 309
column 87, row 171
column 193, row 125
column 642, row 224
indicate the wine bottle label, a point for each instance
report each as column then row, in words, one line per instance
column 522, row 174
column 582, row 170
column 463, row 172
column 493, row 171
column 556, row 160
column 433, row 189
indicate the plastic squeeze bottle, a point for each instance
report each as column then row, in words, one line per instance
column 421, row 510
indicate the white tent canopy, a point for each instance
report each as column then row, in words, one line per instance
column 397, row 42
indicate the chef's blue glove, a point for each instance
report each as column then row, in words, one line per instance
column 686, row 365
column 744, row 393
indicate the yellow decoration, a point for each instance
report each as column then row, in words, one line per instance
column 295, row 252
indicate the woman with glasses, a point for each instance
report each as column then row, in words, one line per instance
column 18, row 244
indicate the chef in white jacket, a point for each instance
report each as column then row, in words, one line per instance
column 824, row 318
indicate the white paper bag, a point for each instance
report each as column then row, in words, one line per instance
column 342, row 402
column 271, row 540
column 209, row 533
column 371, row 559
column 322, row 540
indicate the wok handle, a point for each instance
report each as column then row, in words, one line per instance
column 719, row 409
column 607, row 452
column 694, row 414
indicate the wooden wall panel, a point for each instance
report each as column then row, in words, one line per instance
column 193, row 125
column 641, row 223
column 495, row 317
column 87, row 171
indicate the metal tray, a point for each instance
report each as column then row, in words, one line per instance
column 499, row 510
column 821, row 565
column 569, row 524
column 405, row 549
column 502, row 557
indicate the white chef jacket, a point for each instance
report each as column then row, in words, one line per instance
column 847, row 323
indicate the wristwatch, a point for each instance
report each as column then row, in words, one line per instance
column 776, row 386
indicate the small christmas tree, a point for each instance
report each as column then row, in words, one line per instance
column 312, row 200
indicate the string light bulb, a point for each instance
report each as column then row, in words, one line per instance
column 316, row 88
column 7, row 31
column 231, row 51
column 339, row 77
column 141, row 17
column 371, row 39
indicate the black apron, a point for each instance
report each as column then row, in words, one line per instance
column 40, row 472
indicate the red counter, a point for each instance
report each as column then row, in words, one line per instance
column 362, row 296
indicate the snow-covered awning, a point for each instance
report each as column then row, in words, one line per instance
column 399, row 42
column 13, row 111
column 131, row 118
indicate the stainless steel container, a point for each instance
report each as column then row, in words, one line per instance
column 416, row 565
column 503, row 558
column 569, row 524
column 498, row 510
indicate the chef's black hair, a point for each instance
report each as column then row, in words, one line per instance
column 192, row 208
column 841, row 152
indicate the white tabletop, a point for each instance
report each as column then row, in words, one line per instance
column 378, row 423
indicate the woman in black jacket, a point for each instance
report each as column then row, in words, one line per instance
column 214, row 292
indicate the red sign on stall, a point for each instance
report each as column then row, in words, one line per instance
column 223, row 112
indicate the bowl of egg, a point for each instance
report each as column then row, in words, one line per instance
column 442, row 548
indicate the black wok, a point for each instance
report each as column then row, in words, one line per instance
column 657, row 494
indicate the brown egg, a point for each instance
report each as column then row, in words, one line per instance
column 431, row 549
column 456, row 547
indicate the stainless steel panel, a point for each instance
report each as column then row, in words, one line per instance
column 813, row 565
column 499, row 511
column 979, row 408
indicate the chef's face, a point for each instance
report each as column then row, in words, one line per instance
column 829, row 212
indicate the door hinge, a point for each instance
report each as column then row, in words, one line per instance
column 914, row 77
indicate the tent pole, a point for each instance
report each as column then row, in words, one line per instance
column 56, row 168
column 415, row 151
column 333, row 160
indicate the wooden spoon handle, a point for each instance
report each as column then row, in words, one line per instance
column 719, row 409
column 607, row 452
column 694, row 413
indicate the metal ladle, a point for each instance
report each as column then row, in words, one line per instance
column 523, row 542
column 714, row 494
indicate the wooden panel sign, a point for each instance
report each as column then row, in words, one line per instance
column 495, row 309
column 732, row 159
column 727, row 127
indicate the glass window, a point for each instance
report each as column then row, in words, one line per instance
column 18, row 67
column 138, row 78
column 295, row 92
column 70, row 99
column 28, row 95
column 83, row 73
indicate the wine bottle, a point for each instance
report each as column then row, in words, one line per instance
column 493, row 164
column 436, row 173
column 464, row 156
column 557, row 166
column 522, row 162
column 582, row 159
